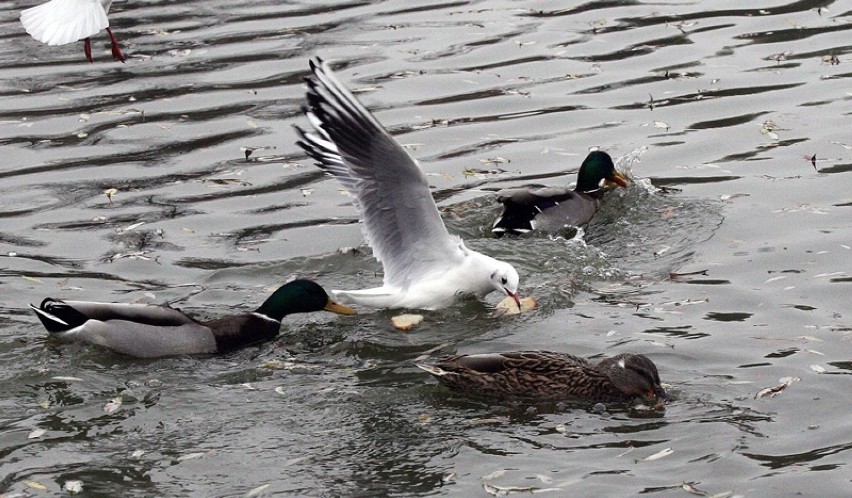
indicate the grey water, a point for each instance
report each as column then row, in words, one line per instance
column 175, row 178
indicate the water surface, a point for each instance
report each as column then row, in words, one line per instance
column 713, row 109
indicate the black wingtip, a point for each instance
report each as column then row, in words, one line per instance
column 316, row 64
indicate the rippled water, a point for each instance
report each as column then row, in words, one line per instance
column 713, row 111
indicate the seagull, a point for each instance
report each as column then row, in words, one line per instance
column 424, row 266
column 59, row 22
column 551, row 209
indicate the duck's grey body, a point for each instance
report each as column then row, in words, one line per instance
column 548, row 209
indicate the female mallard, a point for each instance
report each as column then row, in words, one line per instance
column 551, row 209
column 148, row 331
column 547, row 375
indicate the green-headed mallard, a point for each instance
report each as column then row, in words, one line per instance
column 551, row 209
column 148, row 331
column 552, row 376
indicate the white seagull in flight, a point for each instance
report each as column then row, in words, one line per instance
column 424, row 266
column 59, row 22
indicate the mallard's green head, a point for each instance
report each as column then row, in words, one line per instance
column 598, row 171
column 300, row 296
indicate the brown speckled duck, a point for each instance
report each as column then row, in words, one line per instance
column 548, row 375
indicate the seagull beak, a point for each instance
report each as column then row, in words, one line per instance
column 339, row 308
column 513, row 296
column 617, row 180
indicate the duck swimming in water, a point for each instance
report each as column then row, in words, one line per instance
column 547, row 375
column 551, row 209
column 149, row 331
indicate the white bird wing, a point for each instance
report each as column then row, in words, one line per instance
column 58, row 22
column 400, row 219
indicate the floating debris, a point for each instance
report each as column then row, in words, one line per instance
column 467, row 172
column 768, row 128
column 36, row 433
column 771, row 392
column 131, row 227
column 112, row 405
column 812, row 159
column 35, row 485
column 406, row 322
column 192, row 456
column 494, row 160
column 248, row 151
column 675, row 275
column 109, row 193
column 689, row 488
column 227, row 182
column 662, row 251
column 257, row 491
column 830, row 59
column 818, row 368
column 73, row 487
column 495, row 490
column 66, row 378
column 660, row 454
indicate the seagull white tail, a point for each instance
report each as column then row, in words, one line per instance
column 58, row 22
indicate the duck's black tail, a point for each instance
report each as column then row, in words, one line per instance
column 56, row 316
column 516, row 219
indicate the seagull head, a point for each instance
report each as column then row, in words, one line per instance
column 505, row 279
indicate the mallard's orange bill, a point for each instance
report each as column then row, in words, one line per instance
column 339, row 308
column 617, row 180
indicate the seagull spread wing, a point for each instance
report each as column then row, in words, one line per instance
column 400, row 219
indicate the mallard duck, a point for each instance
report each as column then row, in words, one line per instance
column 148, row 331
column 424, row 266
column 548, row 375
column 59, row 22
column 551, row 209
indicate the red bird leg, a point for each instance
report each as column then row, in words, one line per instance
column 116, row 51
column 87, row 48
